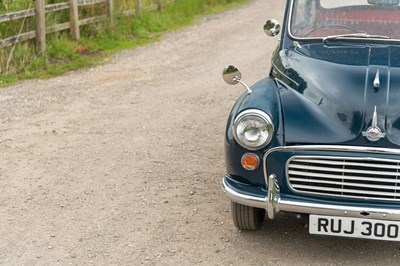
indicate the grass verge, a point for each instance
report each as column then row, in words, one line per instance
column 99, row 40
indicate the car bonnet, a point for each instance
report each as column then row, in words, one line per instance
column 330, row 95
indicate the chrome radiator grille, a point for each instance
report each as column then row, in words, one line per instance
column 345, row 177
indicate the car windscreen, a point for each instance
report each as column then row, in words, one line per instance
column 322, row 18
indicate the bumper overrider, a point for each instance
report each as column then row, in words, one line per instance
column 271, row 200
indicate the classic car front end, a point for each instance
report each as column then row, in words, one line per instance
column 319, row 137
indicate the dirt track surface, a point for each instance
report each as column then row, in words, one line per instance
column 121, row 164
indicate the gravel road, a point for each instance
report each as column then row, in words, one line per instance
column 121, row 164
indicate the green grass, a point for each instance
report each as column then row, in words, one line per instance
column 99, row 40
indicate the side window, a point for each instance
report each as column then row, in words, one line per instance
column 299, row 13
column 303, row 17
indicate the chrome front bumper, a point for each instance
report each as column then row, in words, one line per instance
column 273, row 203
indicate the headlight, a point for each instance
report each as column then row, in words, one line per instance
column 253, row 129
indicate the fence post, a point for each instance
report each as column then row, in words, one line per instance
column 110, row 10
column 139, row 8
column 159, row 5
column 74, row 19
column 40, row 26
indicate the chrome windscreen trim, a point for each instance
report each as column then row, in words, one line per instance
column 321, row 39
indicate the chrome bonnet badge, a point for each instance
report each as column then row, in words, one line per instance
column 374, row 133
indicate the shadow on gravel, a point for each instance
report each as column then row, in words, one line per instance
column 288, row 236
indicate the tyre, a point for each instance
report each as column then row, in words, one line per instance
column 246, row 217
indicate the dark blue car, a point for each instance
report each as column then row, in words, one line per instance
column 319, row 137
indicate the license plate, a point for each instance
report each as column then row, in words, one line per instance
column 355, row 227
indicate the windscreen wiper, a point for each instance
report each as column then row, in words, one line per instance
column 355, row 35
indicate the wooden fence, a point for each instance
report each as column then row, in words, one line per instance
column 74, row 24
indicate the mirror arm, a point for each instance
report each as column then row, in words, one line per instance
column 244, row 84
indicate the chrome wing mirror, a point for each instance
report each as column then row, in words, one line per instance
column 272, row 27
column 232, row 76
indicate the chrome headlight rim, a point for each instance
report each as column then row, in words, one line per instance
column 257, row 113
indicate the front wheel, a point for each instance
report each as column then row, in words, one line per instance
column 246, row 217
